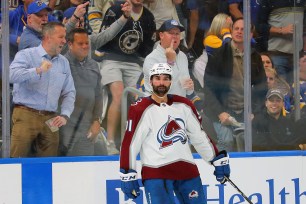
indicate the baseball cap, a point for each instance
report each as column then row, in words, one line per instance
column 275, row 92
column 169, row 24
column 37, row 6
column 69, row 12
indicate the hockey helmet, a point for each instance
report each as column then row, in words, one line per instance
column 160, row 68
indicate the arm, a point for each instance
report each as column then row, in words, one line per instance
column 212, row 87
column 100, row 39
column 193, row 6
column 79, row 12
column 21, row 70
column 52, row 4
column 176, row 2
column 97, row 110
column 136, row 131
column 198, row 138
column 262, row 26
column 193, row 26
column 68, row 92
column 234, row 10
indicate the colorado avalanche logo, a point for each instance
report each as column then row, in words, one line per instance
column 171, row 132
column 193, row 194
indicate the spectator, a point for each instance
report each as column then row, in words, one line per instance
column 78, row 136
column 41, row 76
column 266, row 60
column 276, row 24
column 274, row 81
column 37, row 16
column 199, row 68
column 163, row 10
column 200, row 18
column 218, row 33
column 272, row 130
column 123, row 58
column 100, row 39
column 65, row 4
column 236, row 9
column 302, row 65
column 167, row 52
column 160, row 128
column 17, row 21
column 224, row 86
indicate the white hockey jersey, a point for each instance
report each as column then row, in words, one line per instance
column 161, row 133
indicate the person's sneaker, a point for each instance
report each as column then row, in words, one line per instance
column 111, row 148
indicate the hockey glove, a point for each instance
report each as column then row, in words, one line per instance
column 222, row 168
column 129, row 183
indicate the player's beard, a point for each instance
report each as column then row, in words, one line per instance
column 161, row 90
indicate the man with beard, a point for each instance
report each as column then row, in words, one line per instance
column 42, row 79
column 160, row 128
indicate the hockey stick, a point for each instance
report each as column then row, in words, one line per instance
column 232, row 183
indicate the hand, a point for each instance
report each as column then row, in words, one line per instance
column 224, row 118
column 59, row 121
column 81, row 9
column 287, row 29
column 126, row 8
column 65, row 20
column 94, row 131
column 129, row 183
column 228, row 23
column 45, row 65
column 222, row 168
column 170, row 53
column 18, row 40
column 187, row 84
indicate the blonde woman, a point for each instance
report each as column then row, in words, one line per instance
column 218, row 32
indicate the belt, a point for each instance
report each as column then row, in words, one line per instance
column 39, row 112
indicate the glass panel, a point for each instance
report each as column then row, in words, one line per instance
column 280, row 28
column 231, row 70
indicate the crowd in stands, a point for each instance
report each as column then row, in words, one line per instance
column 64, row 54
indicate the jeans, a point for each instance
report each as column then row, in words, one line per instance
column 227, row 137
column 283, row 64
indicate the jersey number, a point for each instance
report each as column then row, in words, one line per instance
column 128, row 126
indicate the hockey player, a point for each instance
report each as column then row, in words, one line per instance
column 160, row 128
